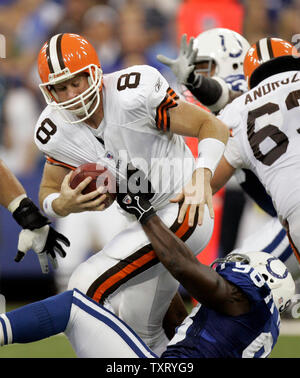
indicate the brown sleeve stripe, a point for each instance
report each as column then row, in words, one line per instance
column 162, row 118
column 59, row 163
column 133, row 265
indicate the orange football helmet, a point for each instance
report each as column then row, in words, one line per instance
column 61, row 58
column 266, row 50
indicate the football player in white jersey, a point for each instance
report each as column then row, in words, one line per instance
column 132, row 122
column 211, row 67
column 265, row 131
column 37, row 234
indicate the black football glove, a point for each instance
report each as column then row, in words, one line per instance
column 136, row 204
column 38, row 235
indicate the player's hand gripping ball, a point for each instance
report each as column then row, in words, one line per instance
column 101, row 176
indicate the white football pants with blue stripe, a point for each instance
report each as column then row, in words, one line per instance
column 272, row 238
column 96, row 332
column 93, row 331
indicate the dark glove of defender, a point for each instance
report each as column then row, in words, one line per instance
column 38, row 235
column 28, row 215
column 137, row 205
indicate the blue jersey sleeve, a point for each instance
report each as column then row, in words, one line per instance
column 237, row 83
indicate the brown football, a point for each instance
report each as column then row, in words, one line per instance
column 101, row 177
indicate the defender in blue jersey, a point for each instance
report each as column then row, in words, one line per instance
column 210, row 333
column 238, row 316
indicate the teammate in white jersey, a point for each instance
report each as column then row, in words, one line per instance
column 132, row 122
column 264, row 124
column 211, row 67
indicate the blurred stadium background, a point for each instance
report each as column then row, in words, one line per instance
column 124, row 32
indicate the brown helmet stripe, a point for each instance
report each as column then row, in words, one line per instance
column 48, row 57
column 270, row 49
column 258, row 51
column 59, row 52
column 54, row 54
column 264, row 49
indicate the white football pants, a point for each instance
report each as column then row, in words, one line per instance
column 127, row 275
column 294, row 233
column 272, row 238
column 95, row 332
column 88, row 232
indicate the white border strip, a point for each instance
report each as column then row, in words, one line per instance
column 53, row 53
column 264, row 49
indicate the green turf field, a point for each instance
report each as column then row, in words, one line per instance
column 287, row 347
column 59, row 347
column 53, row 347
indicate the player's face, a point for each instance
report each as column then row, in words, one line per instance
column 71, row 88
column 203, row 67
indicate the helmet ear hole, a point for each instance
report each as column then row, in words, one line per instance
column 268, row 278
column 235, row 66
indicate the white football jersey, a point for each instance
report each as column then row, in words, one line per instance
column 265, row 127
column 135, row 129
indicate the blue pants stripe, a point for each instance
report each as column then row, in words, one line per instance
column 270, row 248
column 100, row 316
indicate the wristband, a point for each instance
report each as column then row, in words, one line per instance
column 28, row 215
column 47, row 205
column 210, row 152
column 15, row 203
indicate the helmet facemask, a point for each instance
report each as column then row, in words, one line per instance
column 206, row 71
column 89, row 99
column 231, row 257
column 225, row 48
